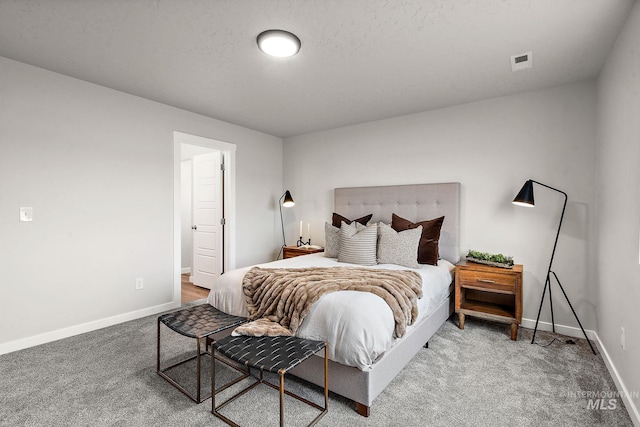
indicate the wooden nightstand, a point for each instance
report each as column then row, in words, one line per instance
column 294, row 251
column 491, row 293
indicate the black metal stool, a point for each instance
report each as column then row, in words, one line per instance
column 197, row 322
column 277, row 354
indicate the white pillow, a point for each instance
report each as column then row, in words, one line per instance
column 399, row 248
column 358, row 243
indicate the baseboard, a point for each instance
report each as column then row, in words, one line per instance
column 569, row 331
column 632, row 409
column 186, row 270
column 35, row 340
column 574, row 332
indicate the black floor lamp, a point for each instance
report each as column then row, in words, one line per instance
column 287, row 201
column 525, row 198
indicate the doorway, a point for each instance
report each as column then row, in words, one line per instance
column 204, row 225
column 202, row 214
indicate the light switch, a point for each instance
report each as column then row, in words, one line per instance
column 26, row 214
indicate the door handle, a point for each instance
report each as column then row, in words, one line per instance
column 194, row 227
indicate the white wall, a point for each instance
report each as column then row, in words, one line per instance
column 491, row 148
column 617, row 254
column 96, row 165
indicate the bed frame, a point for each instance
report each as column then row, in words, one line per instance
column 416, row 203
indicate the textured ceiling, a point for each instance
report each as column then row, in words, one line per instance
column 361, row 60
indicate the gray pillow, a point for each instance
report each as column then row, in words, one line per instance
column 399, row 248
column 358, row 243
column 331, row 240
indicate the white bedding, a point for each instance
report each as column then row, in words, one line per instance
column 358, row 325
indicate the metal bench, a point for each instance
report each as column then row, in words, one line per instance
column 197, row 322
column 278, row 354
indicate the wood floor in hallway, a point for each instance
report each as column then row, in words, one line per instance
column 191, row 292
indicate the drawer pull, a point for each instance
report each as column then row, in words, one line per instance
column 486, row 281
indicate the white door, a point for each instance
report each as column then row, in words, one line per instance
column 207, row 219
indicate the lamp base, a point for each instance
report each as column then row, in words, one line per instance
column 547, row 284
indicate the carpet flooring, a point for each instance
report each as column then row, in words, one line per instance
column 471, row 377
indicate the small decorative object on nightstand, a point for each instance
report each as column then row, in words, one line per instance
column 489, row 292
column 294, row 251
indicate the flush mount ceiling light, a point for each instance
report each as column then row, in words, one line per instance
column 278, row 43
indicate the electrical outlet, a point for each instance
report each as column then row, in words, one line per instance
column 139, row 283
column 623, row 338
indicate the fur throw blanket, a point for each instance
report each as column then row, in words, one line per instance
column 279, row 299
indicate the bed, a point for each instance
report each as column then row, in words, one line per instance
column 362, row 375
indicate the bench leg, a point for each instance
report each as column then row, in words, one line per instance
column 198, row 370
column 213, row 381
column 158, row 348
column 163, row 374
column 326, row 377
column 281, row 374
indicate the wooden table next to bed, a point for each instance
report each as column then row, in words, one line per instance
column 491, row 293
column 294, row 251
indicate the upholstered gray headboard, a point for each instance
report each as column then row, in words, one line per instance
column 418, row 202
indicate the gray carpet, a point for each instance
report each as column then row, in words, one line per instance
column 465, row 378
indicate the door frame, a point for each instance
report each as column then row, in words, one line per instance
column 228, row 151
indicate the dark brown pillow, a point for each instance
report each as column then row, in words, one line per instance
column 337, row 219
column 428, row 247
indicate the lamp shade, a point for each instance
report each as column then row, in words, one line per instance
column 525, row 196
column 288, row 200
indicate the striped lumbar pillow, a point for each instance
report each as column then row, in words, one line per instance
column 358, row 243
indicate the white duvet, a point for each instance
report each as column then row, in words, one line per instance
column 357, row 325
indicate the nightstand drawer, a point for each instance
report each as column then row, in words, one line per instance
column 488, row 280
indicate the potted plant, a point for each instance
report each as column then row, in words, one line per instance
column 497, row 260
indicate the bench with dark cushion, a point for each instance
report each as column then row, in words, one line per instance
column 197, row 322
column 277, row 354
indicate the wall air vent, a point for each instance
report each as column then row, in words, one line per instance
column 522, row 61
